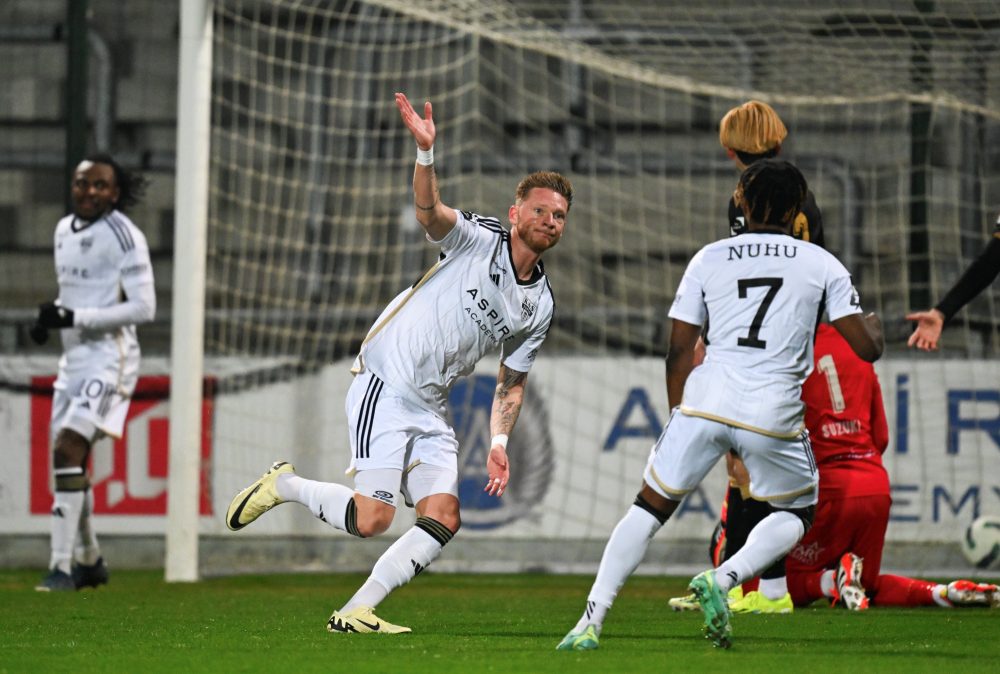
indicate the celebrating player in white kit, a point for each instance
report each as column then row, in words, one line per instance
column 487, row 291
column 761, row 296
column 105, row 289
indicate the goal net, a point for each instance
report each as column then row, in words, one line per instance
column 892, row 109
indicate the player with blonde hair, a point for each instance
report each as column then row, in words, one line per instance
column 754, row 131
column 487, row 292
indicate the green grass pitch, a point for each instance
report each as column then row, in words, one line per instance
column 461, row 623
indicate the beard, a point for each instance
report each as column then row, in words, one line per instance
column 538, row 241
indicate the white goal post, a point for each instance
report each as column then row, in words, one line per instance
column 187, row 324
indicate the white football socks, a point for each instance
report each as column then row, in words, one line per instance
column 408, row 556
column 940, row 596
column 771, row 539
column 773, row 588
column 325, row 500
column 87, row 549
column 594, row 615
column 625, row 549
column 828, row 583
column 66, row 509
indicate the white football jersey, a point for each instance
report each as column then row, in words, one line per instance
column 473, row 303
column 98, row 265
column 762, row 296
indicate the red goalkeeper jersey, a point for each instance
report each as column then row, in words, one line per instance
column 846, row 420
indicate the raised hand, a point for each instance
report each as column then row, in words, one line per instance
column 929, row 326
column 422, row 129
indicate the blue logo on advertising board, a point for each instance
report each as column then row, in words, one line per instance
column 529, row 451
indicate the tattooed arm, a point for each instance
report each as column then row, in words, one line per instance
column 506, row 406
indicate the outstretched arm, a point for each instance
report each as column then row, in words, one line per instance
column 507, row 402
column 977, row 277
column 436, row 218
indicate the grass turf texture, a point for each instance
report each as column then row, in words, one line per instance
column 461, row 623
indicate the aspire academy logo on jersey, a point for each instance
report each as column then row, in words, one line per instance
column 490, row 321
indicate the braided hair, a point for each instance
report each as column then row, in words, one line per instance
column 771, row 192
column 131, row 185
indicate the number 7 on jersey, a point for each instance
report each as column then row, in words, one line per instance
column 773, row 284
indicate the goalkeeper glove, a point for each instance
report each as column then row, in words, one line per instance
column 39, row 334
column 53, row 316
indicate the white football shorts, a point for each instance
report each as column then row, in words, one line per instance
column 782, row 472
column 92, row 397
column 390, row 433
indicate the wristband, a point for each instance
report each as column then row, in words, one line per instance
column 425, row 157
column 499, row 439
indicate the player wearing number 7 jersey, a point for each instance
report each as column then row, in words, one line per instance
column 761, row 296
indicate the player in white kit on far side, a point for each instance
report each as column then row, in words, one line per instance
column 105, row 289
column 761, row 296
column 488, row 291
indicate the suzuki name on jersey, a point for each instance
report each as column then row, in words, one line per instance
column 761, row 250
column 836, row 428
column 489, row 320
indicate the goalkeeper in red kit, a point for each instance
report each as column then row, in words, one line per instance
column 840, row 557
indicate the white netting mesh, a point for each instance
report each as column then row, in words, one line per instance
column 893, row 115
column 312, row 165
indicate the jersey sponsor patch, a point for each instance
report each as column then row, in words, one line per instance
column 486, row 316
column 807, row 554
